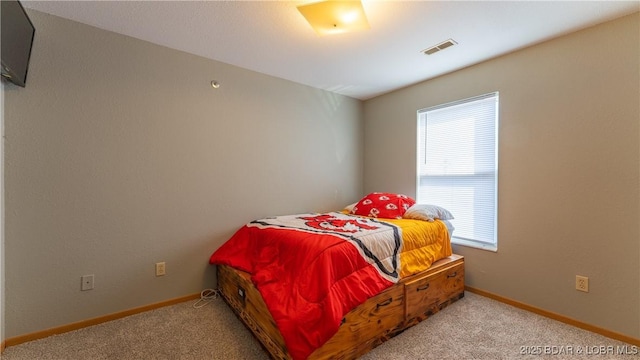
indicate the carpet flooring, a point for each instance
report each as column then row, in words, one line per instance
column 474, row 327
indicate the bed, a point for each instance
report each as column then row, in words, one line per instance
column 335, row 285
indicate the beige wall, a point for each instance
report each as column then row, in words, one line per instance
column 2, row 216
column 569, row 170
column 119, row 154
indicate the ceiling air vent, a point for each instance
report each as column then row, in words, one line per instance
column 443, row 45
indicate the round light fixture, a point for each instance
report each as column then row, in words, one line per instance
column 215, row 84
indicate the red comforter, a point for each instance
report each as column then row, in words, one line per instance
column 312, row 269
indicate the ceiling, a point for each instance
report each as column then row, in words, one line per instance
column 273, row 38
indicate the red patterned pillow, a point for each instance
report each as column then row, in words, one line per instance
column 383, row 205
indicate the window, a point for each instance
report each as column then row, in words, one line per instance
column 458, row 166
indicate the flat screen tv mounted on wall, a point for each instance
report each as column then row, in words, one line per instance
column 17, row 39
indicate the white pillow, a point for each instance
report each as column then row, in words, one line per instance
column 349, row 207
column 427, row 213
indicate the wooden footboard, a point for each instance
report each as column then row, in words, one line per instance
column 378, row 319
column 245, row 300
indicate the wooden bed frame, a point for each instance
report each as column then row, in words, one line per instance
column 378, row 319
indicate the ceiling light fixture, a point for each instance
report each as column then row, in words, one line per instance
column 335, row 17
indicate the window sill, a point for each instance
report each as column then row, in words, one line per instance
column 474, row 244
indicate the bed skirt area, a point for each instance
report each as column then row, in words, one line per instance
column 381, row 317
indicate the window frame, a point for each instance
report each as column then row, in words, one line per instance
column 484, row 245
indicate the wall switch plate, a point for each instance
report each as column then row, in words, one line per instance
column 160, row 269
column 582, row 283
column 87, row 283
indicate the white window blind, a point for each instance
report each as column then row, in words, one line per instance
column 458, row 166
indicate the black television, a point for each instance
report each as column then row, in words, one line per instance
column 17, row 39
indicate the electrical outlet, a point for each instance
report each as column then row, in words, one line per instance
column 582, row 283
column 87, row 283
column 160, row 269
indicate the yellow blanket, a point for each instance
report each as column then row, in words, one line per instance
column 423, row 243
